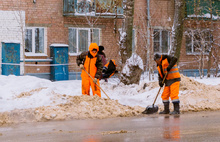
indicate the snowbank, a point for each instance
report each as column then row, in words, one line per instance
column 76, row 107
column 197, row 96
column 27, row 99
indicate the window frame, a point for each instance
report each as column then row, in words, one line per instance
column 160, row 40
column 33, row 42
column 77, row 39
column 72, row 7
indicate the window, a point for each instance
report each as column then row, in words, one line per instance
column 161, row 41
column 80, row 39
column 35, row 40
column 195, row 40
column 93, row 7
column 84, row 6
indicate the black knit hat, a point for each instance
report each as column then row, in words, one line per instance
column 101, row 48
column 156, row 56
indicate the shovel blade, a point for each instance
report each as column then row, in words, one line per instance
column 150, row 109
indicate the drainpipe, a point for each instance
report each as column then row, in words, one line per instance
column 148, row 38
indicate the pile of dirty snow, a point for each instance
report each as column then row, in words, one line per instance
column 196, row 96
column 30, row 99
column 75, row 107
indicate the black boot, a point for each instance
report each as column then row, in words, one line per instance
column 176, row 110
column 166, row 108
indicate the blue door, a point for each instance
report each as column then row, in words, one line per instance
column 10, row 58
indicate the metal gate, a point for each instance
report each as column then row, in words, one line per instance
column 59, row 68
column 10, row 58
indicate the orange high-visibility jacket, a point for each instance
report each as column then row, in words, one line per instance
column 110, row 68
column 173, row 75
column 92, row 63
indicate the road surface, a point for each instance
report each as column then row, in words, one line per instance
column 188, row 127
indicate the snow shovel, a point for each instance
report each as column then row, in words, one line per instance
column 153, row 108
column 96, row 83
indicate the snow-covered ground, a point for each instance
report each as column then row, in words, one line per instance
column 21, row 92
column 28, row 92
column 208, row 81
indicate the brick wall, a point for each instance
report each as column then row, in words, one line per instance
column 161, row 17
column 49, row 14
column 191, row 61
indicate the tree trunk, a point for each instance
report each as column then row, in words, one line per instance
column 216, row 62
column 201, row 68
column 209, row 62
column 177, row 31
column 211, row 50
column 133, row 77
column 126, row 33
column 132, row 70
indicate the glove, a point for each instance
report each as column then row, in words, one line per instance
column 168, row 69
column 104, row 69
column 81, row 66
column 95, row 80
column 161, row 83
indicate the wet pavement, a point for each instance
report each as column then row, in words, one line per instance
column 188, row 127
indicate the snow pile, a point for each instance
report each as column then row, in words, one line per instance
column 207, row 15
column 134, row 60
column 196, row 96
column 24, row 92
column 27, row 98
column 75, row 107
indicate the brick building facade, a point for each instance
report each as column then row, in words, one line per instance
column 46, row 20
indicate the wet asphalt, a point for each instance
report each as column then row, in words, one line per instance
column 187, row 127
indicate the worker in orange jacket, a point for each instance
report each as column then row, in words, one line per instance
column 167, row 64
column 109, row 69
column 90, row 61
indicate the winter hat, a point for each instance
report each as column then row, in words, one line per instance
column 92, row 47
column 156, row 56
column 101, row 48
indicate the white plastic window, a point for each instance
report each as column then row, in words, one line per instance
column 80, row 39
column 35, row 40
column 161, row 41
column 198, row 41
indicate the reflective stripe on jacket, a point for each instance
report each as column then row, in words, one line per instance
column 172, row 74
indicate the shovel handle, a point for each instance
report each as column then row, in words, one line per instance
column 160, row 88
column 96, row 83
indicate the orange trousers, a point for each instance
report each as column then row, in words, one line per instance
column 86, row 83
column 171, row 91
